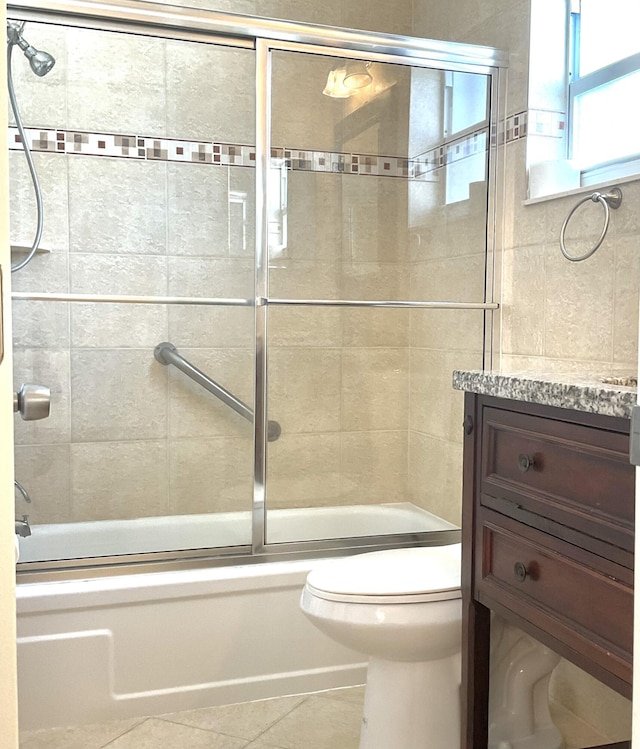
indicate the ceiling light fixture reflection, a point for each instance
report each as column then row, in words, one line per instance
column 357, row 75
column 347, row 81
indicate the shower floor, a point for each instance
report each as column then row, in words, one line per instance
column 327, row 720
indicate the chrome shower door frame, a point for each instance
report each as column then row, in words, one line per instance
column 266, row 36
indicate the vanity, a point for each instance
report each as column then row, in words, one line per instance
column 548, row 526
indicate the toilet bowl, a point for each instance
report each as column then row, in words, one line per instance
column 402, row 608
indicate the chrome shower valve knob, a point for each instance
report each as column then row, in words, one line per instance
column 33, row 402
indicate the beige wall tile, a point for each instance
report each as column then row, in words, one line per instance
column 375, row 389
column 144, row 275
column 117, row 206
column 579, row 315
column 211, row 277
column 102, row 93
column 524, row 301
column 210, row 93
column 118, row 480
column 375, row 327
column 435, row 408
column 40, row 325
column 117, row 394
column 304, row 470
column 212, row 475
column 117, row 326
column 435, row 475
column 52, row 176
column 199, row 210
column 45, row 472
column 374, row 467
column 304, row 389
column 626, row 303
column 297, row 326
column 211, row 327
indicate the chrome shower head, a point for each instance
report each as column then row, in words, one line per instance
column 41, row 62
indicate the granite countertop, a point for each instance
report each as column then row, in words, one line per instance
column 610, row 396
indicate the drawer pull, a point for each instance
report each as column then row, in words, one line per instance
column 525, row 462
column 520, row 571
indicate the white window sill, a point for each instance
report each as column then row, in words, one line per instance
column 582, row 190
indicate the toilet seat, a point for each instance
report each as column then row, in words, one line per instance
column 393, row 576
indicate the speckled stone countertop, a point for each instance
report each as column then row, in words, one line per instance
column 561, row 390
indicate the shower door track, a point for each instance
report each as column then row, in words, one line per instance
column 265, row 36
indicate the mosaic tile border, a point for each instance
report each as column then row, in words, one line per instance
column 227, row 154
column 516, row 126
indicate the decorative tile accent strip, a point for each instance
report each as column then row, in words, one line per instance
column 231, row 154
column 550, row 124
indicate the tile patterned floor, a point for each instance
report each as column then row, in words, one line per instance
column 329, row 720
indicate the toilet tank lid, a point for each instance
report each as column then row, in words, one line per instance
column 393, row 572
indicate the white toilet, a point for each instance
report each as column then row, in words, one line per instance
column 402, row 608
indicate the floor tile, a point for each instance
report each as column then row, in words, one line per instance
column 246, row 721
column 93, row 736
column 348, row 694
column 160, row 734
column 317, row 723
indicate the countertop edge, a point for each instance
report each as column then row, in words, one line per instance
column 562, row 391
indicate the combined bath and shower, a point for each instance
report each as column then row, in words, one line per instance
column 41, row 63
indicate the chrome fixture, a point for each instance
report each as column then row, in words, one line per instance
column 166, row 353
column 41, row 63
column 608, row 200
column 33, row 402
column 23, row 492
column 23, row 529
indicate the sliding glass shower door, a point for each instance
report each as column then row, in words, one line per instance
column 377, row 290
column 266, row 247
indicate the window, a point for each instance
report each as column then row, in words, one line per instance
column 604, row 88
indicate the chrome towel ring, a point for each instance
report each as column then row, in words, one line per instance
column 608, row 200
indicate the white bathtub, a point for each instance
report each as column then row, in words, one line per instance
column 104, row 648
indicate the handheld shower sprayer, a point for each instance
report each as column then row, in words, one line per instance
column 41, row 63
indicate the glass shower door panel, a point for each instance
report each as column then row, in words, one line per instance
column 359, row 454
column 149, row 191
column 376, row 190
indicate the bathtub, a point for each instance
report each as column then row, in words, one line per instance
column 110, row 647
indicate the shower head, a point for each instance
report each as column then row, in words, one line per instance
column 41, row 62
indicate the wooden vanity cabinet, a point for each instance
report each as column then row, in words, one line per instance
column 548, row 533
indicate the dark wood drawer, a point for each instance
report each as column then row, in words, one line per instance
column 580, row 604
column 573, row 474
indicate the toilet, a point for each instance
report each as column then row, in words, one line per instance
column 402, row 608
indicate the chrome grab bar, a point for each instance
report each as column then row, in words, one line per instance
column 166, row 353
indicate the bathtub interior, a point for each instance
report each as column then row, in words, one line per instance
column 125, row 537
